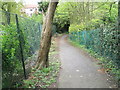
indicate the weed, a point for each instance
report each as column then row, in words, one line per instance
column 44, row 77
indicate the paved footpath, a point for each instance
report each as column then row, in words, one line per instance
column 78, row 70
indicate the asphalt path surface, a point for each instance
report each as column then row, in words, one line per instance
column 77, row 69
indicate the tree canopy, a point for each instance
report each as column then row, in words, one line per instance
column 86, row 15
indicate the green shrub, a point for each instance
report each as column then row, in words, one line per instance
column 10, row 54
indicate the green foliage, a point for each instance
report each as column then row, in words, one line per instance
column 46, row 70
column 10, row 49
column 101, row 44
column 90, row 15
column 37, row 18
column 43, row 6
column 94, row 25
column 61, row 17
column 74, row 27
column 43, row 78
column 29, row 36
column 12, row 7
column 28, row 83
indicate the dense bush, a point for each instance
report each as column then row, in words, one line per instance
column 11, row 65
column 29, row 37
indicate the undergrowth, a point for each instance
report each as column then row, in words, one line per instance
column 43, row 78
column 46, row 77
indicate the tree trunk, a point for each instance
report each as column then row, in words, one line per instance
column 46, row 37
